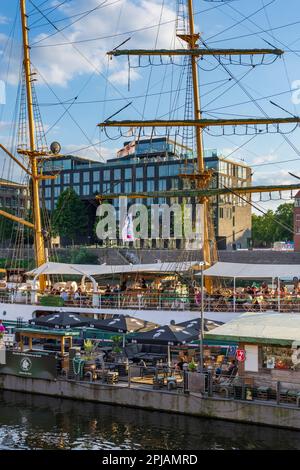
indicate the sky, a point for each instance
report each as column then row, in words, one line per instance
column 79, row 86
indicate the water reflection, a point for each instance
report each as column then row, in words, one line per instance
column 36, row 422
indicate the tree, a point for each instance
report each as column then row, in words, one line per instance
column 273, row 226
column 83, row 256
column 69, row 219
column 285, row 215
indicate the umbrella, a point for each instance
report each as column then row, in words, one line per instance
column 122, row 324
column 169, row 335
column 196, row 324
column 60, row 320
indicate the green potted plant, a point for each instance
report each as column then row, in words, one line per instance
column 88, row 349
column 192, row 366
column 117, row 349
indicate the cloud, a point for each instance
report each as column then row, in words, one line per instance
column 63, row 63
column 96, row 153
column 271, row 157
column 121, row 77
column 4, row 19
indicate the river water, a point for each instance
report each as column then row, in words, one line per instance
column 37, row 422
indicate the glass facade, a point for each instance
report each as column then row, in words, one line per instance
column 106, row 175
column 150, row 172
column 128, row 173
column 85, row 190
column 67, row 178
column 156, row 172
column 86, row 177
column 139, row 172
column 117, row 174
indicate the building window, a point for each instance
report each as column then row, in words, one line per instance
column 48, row 205
column 117, row 188
column 117, row 174
column 106, row 188
column 139, row 186
column 96, row 176
column 77, row 189
column 48, row 182
column 162, row 185
column 76, row 178
column 173, row 170
column 163, row 170
column 96, row 188
column 150, row 171
column 139, row 172
column 150, row 185
column 86, row 177
column 85, row 190
column 106, row 175
column 174, row 183
column 66, row 178
column 128, row 187
column 47, row 192
column 56, row 191
column 128, row 173
column 277, row 357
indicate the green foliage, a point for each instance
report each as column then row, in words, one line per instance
column 83, row 256
column 117, row 340
column 69, row 219
column 88, row 349
column 192, row 366
column 273, row 226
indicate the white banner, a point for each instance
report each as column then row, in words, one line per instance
column 127, row 230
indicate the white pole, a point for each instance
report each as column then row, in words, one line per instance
column 278, row 287
column 234, row 295
column 169, row 355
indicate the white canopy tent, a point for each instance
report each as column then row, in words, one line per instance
column 90, row 271
column 106, row 269
column 253, row 271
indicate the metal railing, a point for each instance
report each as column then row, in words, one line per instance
column 152, row 300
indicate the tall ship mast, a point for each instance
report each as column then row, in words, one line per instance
column 33, row 153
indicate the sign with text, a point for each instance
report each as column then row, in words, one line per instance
column 32, row 364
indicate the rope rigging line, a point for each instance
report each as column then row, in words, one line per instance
column 84, row 15
column 121, row 34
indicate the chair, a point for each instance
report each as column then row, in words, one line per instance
column 171, row 383
column 158, row 381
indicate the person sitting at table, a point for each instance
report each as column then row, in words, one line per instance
column 64, row 295
column 77, row 295
column 264, row 288
column 232, row 369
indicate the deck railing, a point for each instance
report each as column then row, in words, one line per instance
column 145, row 300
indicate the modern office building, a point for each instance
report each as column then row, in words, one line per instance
column 156, row 164
column 13, row 196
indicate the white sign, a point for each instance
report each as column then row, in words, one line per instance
column 251, row 361
column 2, row 353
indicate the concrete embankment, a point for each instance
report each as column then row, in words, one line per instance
column 191, row 404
